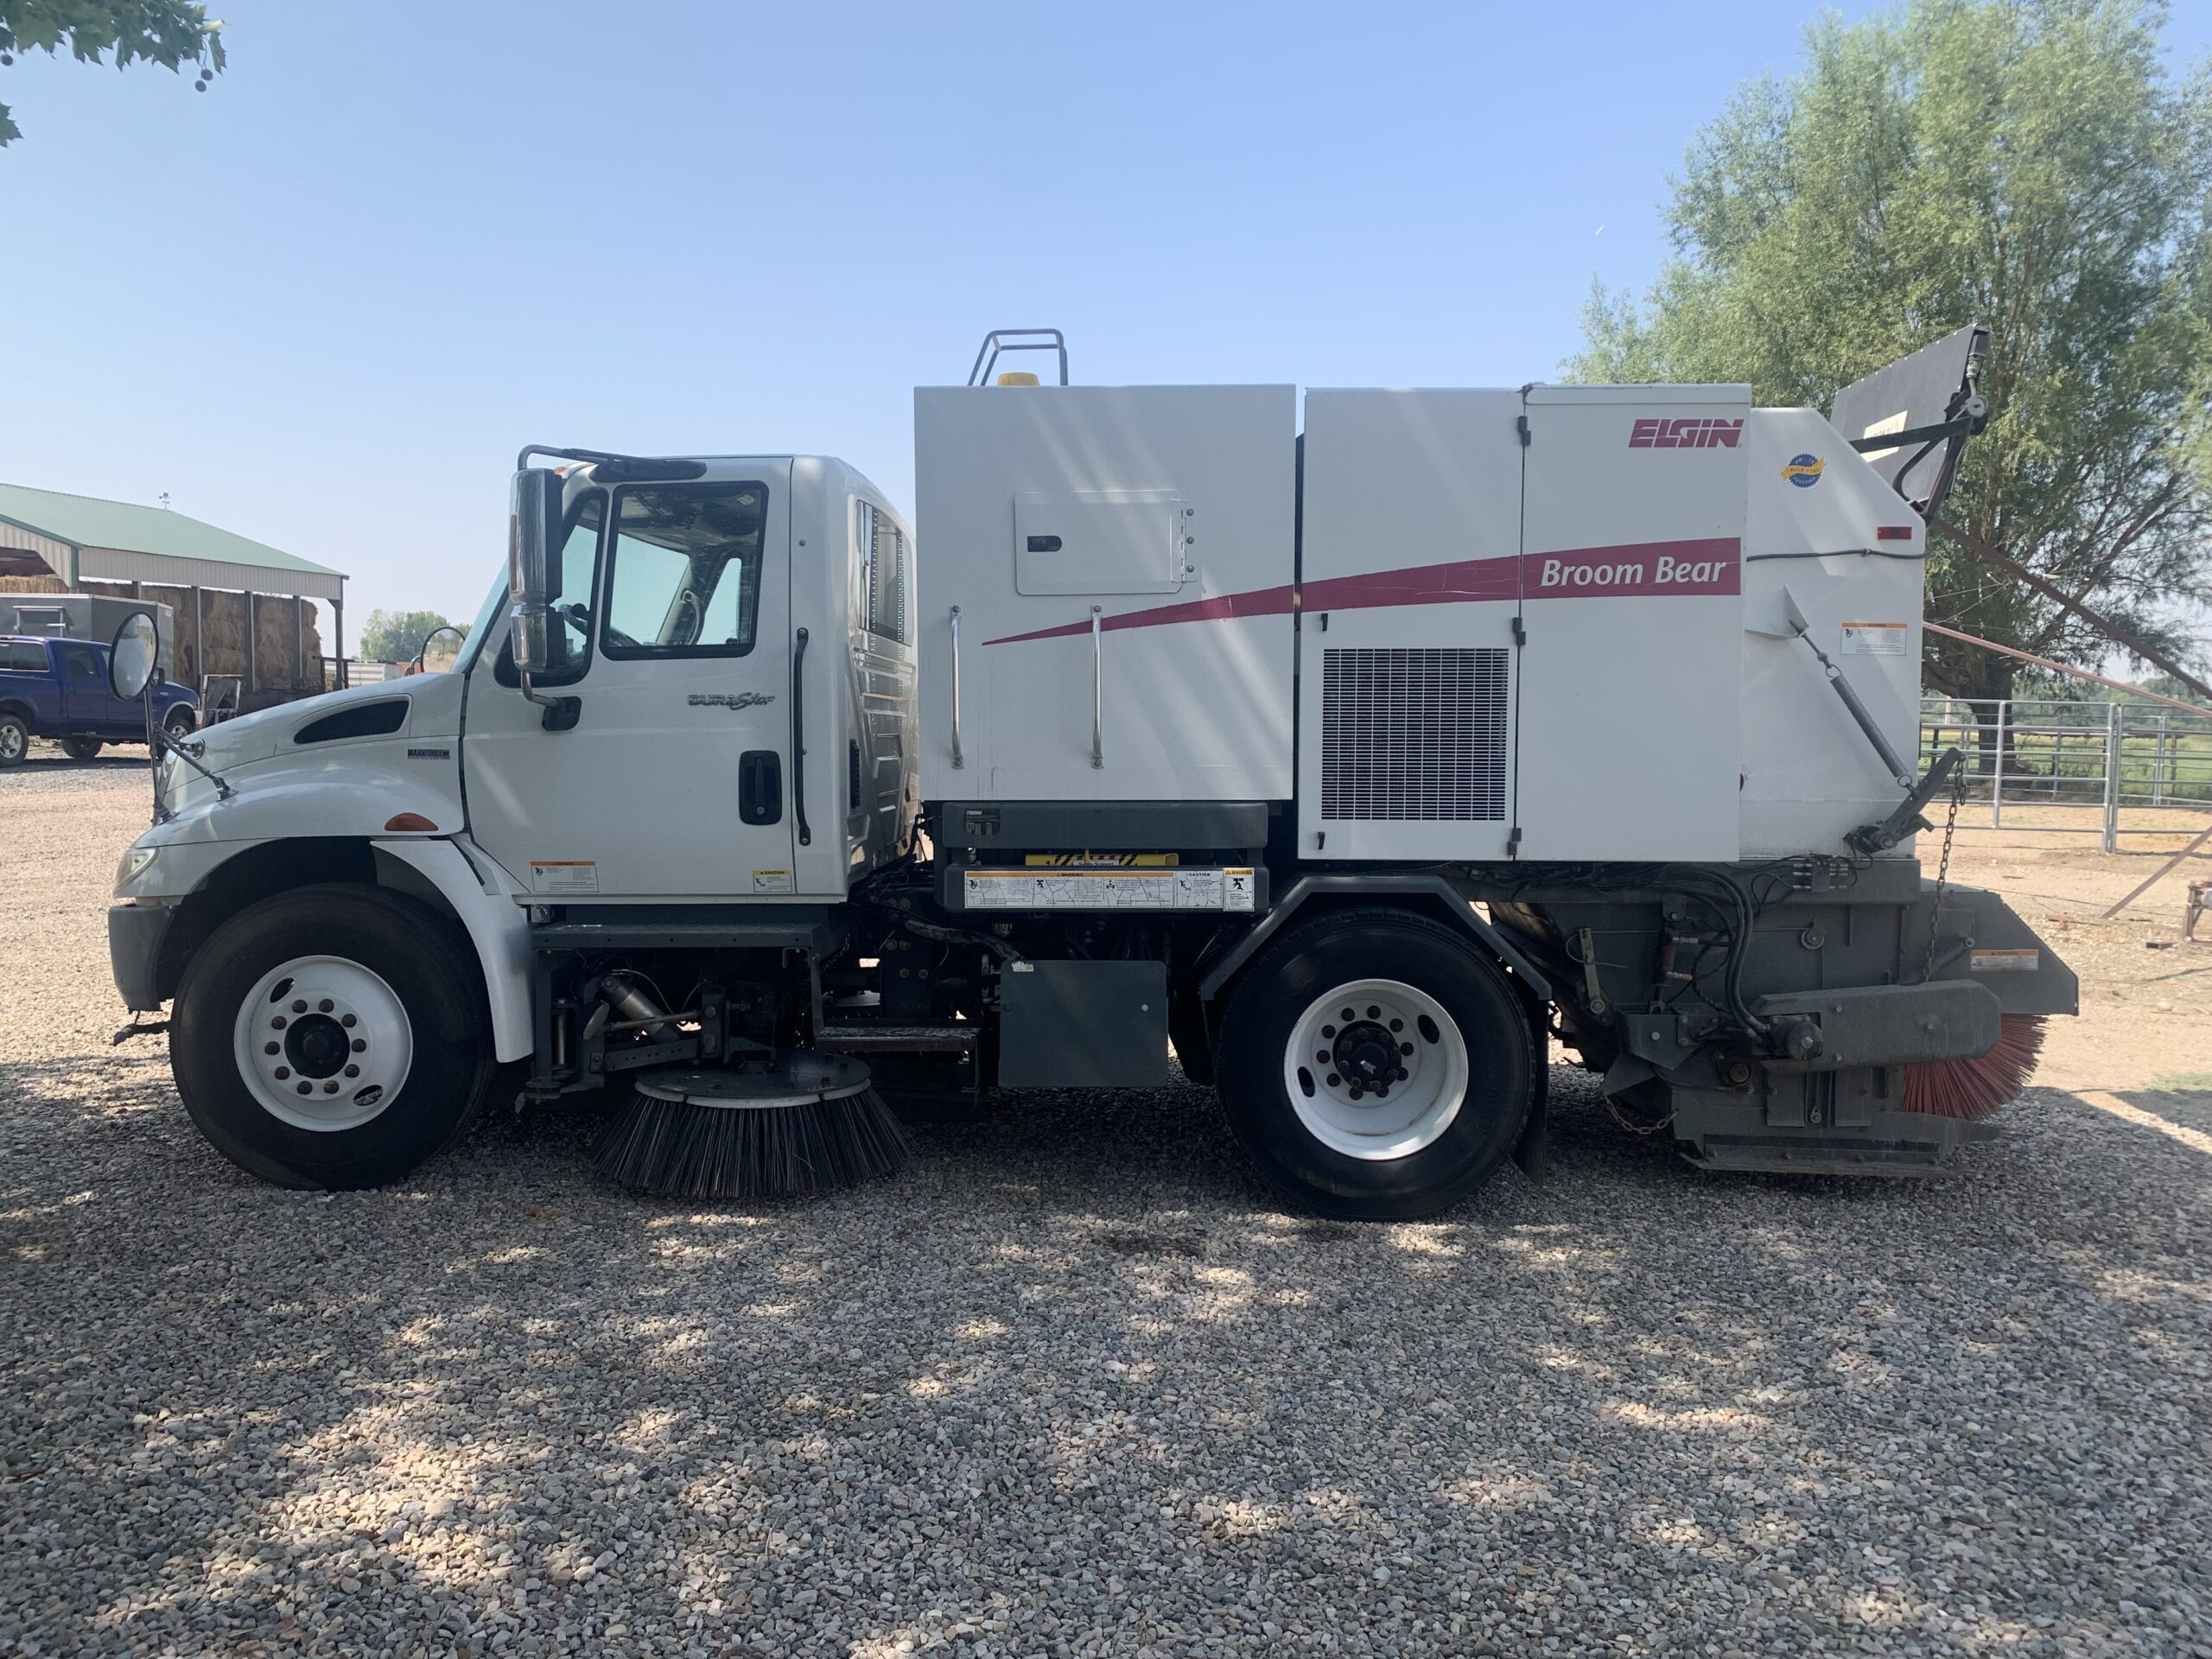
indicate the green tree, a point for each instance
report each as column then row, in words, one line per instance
column 169, row 32
column 396, row 636
column 2026, row 164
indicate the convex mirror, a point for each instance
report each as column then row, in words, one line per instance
column 132, row 658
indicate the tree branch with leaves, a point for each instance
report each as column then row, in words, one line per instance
column 2025, row 164
column 166, row 32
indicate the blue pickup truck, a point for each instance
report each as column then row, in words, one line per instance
column 58, row 689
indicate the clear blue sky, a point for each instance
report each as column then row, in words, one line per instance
column 324, row 303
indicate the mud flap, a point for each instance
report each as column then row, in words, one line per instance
column 1532, row 1150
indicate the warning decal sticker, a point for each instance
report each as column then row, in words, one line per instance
column 2007, row 962
column 1874, row 638
column 563, row 875
column 1122, row 889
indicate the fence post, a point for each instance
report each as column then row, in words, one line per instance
column 2112, row 777
column 2158, row 765
column 1997, row 778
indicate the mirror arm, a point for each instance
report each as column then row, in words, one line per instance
column 561, row 713
column 223, row 791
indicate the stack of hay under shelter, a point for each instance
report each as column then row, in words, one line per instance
column 241, row 610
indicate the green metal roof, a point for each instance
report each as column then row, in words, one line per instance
column 86, row 521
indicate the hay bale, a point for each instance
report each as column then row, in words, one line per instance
column 287, row 645
column 32, row 585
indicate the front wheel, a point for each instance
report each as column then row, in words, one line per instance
column 332, row 1036
column 178, row 724
column 15, row 741
column 1377, row 1066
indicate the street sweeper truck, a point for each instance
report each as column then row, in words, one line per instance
column 1351, row 748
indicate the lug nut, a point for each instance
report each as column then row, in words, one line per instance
column 347, row 1021
column 272, row 1048
column 1323, row 1057
column 1328, row 1031
column 1381, row 1091
column 353, row 1071
column 1405, row 1048
column 1374, row 1013
column 359, row 1045
column 1397, row 1025
column 306, row 1088
column 1350, row 1016
column 1334, row 1080
column 299, row 1005
column 325, row 1005
column 329, row 1087
column 277, row 1024
column 283, row 1072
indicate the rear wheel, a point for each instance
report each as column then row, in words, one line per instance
column 15, row 739
column 80, row 748
column 1377, row 1066
column 332, row 1036
column 178, row 724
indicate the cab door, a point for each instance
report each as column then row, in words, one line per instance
column 675, row 781
column 87, row 705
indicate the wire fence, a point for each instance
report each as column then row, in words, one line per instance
column 2094, row 760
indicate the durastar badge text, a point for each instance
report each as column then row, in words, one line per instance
column 730, row 699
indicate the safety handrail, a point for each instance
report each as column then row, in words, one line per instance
column 1097, row 691
column 1017, row 339
column 957, row 763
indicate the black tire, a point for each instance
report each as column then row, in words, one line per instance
column 80, row 748
column 15, row 741
column 1262, row 1016
column 178, row 724
column 430, row 969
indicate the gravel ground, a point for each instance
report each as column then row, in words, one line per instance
column 1069, row 1385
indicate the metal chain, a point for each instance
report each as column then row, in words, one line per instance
column 1944, row 868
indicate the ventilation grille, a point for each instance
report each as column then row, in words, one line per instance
column 1414, row 734
column 362, row 720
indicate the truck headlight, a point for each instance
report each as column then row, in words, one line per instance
column 132, row 865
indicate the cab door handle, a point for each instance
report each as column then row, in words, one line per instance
column 761, row 786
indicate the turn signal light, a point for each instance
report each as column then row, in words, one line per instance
column 410, row 821
column 1893, row 533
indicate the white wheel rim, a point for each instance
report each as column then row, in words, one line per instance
column 11, row 742
column 323, row 1043
column 1344, row 1062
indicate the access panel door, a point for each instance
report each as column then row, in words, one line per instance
column 1631, row 543
column 676, row 782
column 1410, row 555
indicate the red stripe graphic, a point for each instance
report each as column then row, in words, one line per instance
column 1692, row 568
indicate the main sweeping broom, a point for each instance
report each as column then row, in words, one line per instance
column 785, row 1126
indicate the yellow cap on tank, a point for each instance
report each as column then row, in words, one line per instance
column 1017, row 377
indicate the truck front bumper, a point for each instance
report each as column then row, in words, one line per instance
column 134, row 934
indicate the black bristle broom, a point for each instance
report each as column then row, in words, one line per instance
column 806, row 1125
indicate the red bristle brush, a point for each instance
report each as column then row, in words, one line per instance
column 1975, row 1088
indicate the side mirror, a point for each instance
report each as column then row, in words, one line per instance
column 533, row 570
column 132, row 657
column 422, row 662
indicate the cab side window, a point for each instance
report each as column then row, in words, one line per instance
column 570, row 636
column 21, row 656
column 683, row 570
column 80, row 663
column 883, row 570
